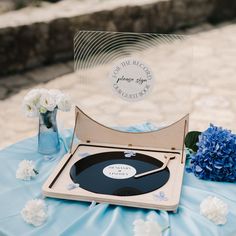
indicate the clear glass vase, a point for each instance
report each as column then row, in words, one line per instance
column 48, row 138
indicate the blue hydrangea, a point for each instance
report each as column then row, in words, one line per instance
column 216, row 156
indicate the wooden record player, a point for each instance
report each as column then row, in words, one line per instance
column 105, row 165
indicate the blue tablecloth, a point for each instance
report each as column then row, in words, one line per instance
column 70, row 218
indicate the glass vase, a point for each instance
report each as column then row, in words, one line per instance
column 48, row 137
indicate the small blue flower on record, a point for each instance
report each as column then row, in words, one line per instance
column 72, row 186
column 216, row 156
column 160, row 196
column 129, row 153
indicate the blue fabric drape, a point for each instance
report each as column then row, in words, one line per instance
column 69, row 218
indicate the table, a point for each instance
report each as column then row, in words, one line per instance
column 69, row 218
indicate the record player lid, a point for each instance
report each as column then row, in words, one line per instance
column 133, row 78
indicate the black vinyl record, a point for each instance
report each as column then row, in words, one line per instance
column 112, row 173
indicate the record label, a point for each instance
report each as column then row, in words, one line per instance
column 119, row 171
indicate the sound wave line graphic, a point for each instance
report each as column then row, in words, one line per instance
column 94, row 48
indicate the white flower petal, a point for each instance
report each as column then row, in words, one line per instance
column 64, row 103
column 214, row 209
column 47, row 101
column 35, row 212
column 29, row 109
column 151, row 217
column 26, row 170
column 33, row 96
column 30, row 103
column 147, row 228
column 56, row 93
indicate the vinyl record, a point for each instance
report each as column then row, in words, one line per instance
column 112, row 173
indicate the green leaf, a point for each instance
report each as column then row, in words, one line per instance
column 191, row 140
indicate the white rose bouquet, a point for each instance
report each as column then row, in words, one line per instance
column 42, row 100
column 43, row 103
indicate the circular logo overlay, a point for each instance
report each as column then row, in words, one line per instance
column 132, row 80
column 119, row 171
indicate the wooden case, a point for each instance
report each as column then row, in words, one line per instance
column 94, row 138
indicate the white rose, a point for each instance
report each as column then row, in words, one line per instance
column 33, row 97
column 26, row 170
column 35, row 212
column 56, row 93
column 31, row 102
column 64, row 103
column 30, row 109
column 214, row 209
column 47, row 101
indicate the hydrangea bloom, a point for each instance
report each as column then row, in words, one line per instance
column 216, row 156
column 214, row 209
